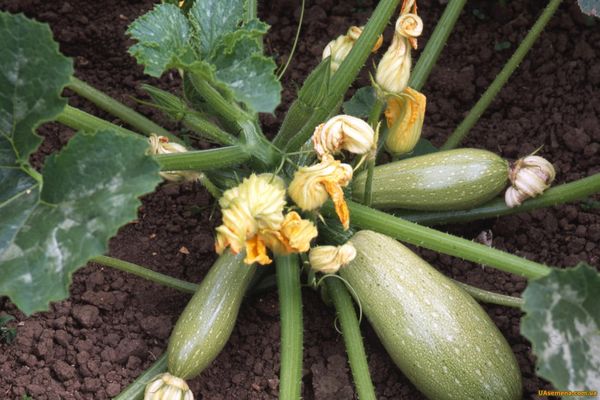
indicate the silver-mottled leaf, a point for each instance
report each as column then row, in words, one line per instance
column 563, row 325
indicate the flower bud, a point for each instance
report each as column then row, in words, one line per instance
column 167, row 387
column 339, row 48
column 404, row 115
column 343, row 132
column 530, row 176
column 393, row 71
column 161, row 145
column 329, row 259
column 312, row 185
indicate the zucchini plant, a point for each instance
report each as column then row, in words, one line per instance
column 292, row 198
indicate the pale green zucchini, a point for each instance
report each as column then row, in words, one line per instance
column 447, row 180
column 440, row 338
column 204, row 326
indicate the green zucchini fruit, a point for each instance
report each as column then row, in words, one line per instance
column 204, row 326
column 447, row 180
column 440, row 338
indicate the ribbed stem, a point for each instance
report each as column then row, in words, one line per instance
column 227, row 110
column 352, row 338
column 368, row 218
column 178, row 110
column 435, row 44
column 290, row 308
column 203, row 160
column 486, row 99
column 118, row 109
column 251, row 10
column 146, row 273
column 567, row 192
column 135, row 391
column 207, row 129
column 80, row 120
column 346, row 74
column 491, row 297
column 373, row 121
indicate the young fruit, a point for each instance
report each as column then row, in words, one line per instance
column 440, row 338
column 207, row 321
column 447, row 180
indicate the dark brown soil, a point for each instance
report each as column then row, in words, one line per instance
column 114, row 325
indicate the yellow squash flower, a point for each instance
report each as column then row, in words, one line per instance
column 256, row 204
column 253, row 220
column 329, row 259
column 312, row 185
column 404, row 115
column 343, row 132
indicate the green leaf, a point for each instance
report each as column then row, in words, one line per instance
column 248, row 74
column 163, row 39
column 562, row 322
column 212, row 19
column 90, row 189
column 32, row 78
column 590, row 7
column 361, row 104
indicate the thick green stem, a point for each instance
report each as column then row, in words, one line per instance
column 80, row 120
column 486, row 99
column 135, row 391
column 251, row 10
column 290, row 306
column 256, row 144
column 203, row 160
column 567, row 192
column 178, row 110
column 368, row 218
column 226, row 109
column 207, row 129
column 435, row 44
column 491, row 297
column 345, row 75
column 373, row 121
column 118, row 109
column 146, row 273
column 352, row 338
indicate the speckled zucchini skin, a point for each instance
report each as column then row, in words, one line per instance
column 447, row 180
column 205, row 325
column 440, row 338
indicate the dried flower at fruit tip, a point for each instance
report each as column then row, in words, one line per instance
column 161, row 145
column 343, row 132
column 529, row 176
column 312, row 185
column 339, row 48
column 329, row 259
column 255, row 204
column 167, row 387
column 404, row 115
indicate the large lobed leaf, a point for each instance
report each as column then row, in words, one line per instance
column 210, row 41
column 51, row 224
column 562, row 322
column 90, row 189
column 590, row 7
